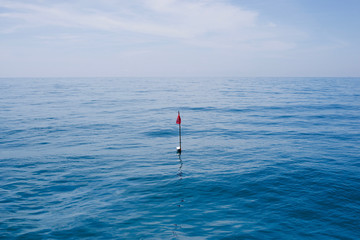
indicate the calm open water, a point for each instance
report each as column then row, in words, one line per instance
column 263, row 158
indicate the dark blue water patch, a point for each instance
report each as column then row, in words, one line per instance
column 301, row 107
column 13, row 132
column 60, row 187
column 290, row 108
column 126, row 146
column 162, row 133
column 201, row 109
column 286, row 109
column 256, row 133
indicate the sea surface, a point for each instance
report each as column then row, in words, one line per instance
column 263, row 158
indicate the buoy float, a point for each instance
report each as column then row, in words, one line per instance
column 178, row 121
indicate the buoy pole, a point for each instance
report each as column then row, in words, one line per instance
column 180, row 135
column 178, row 121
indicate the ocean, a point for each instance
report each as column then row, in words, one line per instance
column 262, row 158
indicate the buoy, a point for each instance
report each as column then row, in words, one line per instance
column 178, row 121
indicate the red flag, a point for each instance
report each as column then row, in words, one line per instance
column 178, row 120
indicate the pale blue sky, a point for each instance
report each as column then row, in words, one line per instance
column 94, row 38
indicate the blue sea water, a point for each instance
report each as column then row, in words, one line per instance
column 263, row 158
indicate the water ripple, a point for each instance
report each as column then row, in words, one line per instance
column 263, row 158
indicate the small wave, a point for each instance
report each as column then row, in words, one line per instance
column 164, row 133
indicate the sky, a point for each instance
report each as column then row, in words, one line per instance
column 179, row 38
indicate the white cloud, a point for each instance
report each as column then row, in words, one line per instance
column 203, row 17
column 151, row 35
column 166, row 18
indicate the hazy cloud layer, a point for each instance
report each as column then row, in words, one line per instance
column 146, row 36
